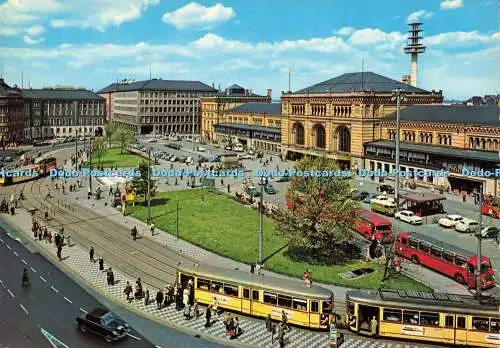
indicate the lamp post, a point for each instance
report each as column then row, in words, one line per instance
column 398, row 95
column 479, row 241
column 76, row 148
column 192, row 127
column 149, row 185
column 261, row 222
column 90, row 162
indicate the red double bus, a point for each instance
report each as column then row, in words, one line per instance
column 491, row 207
column 371, row 225
column 445, row 258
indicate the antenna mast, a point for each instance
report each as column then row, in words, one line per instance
column 414, row 48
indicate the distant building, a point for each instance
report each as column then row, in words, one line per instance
column 156, row 106
column 486, row 100
column 12, row 120
column 254, row 125
column 63, row 112
column 213, row 107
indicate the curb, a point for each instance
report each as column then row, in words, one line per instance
column 72, row 274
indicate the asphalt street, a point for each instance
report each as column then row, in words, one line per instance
column 52, row 303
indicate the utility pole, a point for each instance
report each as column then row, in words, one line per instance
column 479, row 241
column 90, row 162
column 399, row 96
column 261, row 222
column 76, row 148
column 192, row 128
column 177, row 222
column 149, row 185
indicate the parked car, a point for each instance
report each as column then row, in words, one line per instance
column 467, row 225
column 386, row 188
column 269, row 189
column 173, row 159
column 449, row 220
column 490, row 232
column 244, row 156
column 252, row 191
column 409, row 217
column 103, row 323
column 201, row 149
column 284, row 178
column 152, row 141
column 369, row 197
column 360, row 195
column 189, row 160
column 182, row 159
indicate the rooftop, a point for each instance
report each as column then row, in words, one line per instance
column 6, row 90
column 55, row 93
column 463, row 114
column 358, row 82
column 420, row 197
column 159, row 85
column 258, row 108
column 249, row 127
column 487, row 156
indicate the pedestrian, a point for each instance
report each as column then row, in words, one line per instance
column 101, row 264
column 222, row 182
column 464, row 197
column 252, row 268
column 46, row 215
column 269, row 323
column 187, row 312
column 159, row 299
column 59, row 250
column 152, row 227
column 110, row 191
column 228, row 188
column 146, row 297
column 133, row 232
column 128, row 291
column 208, row 316
column 284, row 319
column 109, row 276
column 91, row 254
column 196, row 311
column 281, row 335
column 307, row 278
column 373, row 326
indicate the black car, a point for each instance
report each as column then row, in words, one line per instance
column 490, row 232
column 360, row 196
column 102, row 322
column 386, row 188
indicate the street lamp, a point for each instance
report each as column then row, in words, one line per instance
column 90, row 162
column 192, row 126
column 479, row 241
column 399, row 96
column 149, row 185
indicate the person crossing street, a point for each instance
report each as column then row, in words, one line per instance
column 91, row 254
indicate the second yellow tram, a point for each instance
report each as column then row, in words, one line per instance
column 259, row 295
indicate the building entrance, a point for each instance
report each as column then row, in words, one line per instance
column 464, row 184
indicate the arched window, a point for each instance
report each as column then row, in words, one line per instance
column 483, row 144
column 489, row 144
column 344, row 139
column 449, row 139
column 298, row 131
column 319, row 132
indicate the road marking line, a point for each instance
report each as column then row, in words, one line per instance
column 15, row 253
column 1, row 282
column 43, row 279
column 32, row 269
column 134, row 337
column 1, row 240
column 55, row 290
column 24, row 309
column 10, row 293
column 67, row 299
column 24, row 261
column 83, row 310
column 8, row 247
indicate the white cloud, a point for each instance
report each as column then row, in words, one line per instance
column 344, row 31
column 418, row 15
column 236, row 64
column 194, row 15
column 460, row 38
column 451, row 4
column 34, row 30
column 29, row 41
column 370, row 36
column 8, row 31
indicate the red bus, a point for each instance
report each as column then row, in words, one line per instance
column 444, row 258
column 491, row 207
column 371, row 225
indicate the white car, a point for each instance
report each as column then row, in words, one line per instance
column 450, row 220
column 201, row 149
column 409, row 217
column 467, row 225
column 152, row 141
column 173, row 159
column 244, row 156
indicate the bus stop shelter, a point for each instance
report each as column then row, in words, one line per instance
column 422, row 203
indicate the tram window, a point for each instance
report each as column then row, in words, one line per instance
column 461, row 322
column 394, row 315
column 285, row 301
column 472, row 269
column 413, row 243
column 480, row 324
column 460, row 261
column 217, row 287
column 448, row 321
column 327, row 307
column 270, row 298
column 230, row 290
column 300, row 305
column 424, row 247
column 203, row 284
column 314, row 306
column 495, row 326
column 246, row 293
column 350, row 308
column 410, row 317
column 449, row 257
column 429, row 319
column 255, row 295
column 436, row 252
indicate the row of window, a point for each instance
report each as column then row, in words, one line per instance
column 162, row 109
column 435, row 251
column 166, row 102
column 169, row 94
column 432, row 319
column 177, row 119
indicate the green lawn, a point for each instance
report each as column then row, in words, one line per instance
column 230, row 229
column 112, row 157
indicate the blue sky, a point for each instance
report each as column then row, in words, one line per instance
column 93, row 43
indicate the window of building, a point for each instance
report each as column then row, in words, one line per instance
column 270, row 298
column 394, row 315
column 429, row 319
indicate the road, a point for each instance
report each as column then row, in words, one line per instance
column 54, row 300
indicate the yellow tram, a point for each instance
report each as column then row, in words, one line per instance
column 437, row 317
column 259, row 295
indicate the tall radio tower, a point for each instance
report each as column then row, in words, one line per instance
column 414, row 47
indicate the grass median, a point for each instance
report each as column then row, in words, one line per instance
column 112, row 157
column 216, row 223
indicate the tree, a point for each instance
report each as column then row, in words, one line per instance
column 140, row 183
column 110, row 131
column 124, row 136
column 98, row 148
column 320, row 209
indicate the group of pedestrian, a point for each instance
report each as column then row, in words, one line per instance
column 138, row 294
column 40, row 233
column 278, row 330
column 233, row 329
